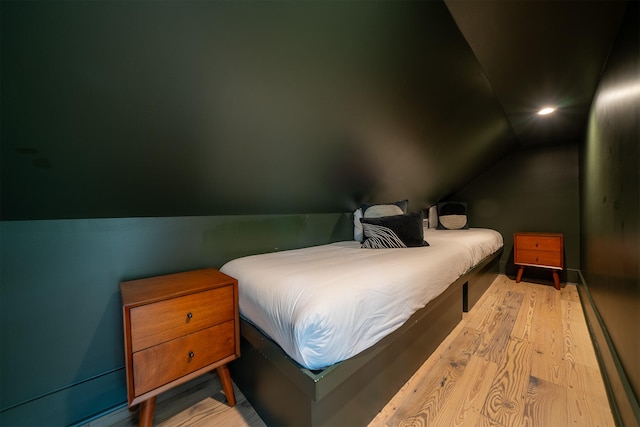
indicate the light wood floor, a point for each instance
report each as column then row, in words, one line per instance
column 521, row 357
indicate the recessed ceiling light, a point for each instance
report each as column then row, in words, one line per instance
column 546, row 110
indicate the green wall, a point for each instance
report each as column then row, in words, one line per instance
column 62, row 340
column 188, row 107
column 610, row 206
column 532, row 189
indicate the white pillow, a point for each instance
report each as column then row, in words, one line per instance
column 433, row 217
column 375, row 211
column 357, row 225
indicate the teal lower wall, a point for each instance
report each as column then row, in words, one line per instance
column 70, row 404
column 60, row 309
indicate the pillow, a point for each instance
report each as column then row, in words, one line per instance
column 402, row 204
column 452, row 216
column 357, row 225
column 396, row 231
column 375, row 211
column 433, row 216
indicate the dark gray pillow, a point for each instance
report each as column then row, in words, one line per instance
column 396, row 231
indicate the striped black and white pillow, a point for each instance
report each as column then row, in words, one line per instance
column 396, row 231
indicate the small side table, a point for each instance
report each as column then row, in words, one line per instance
column 178, row 327
column 544, row 250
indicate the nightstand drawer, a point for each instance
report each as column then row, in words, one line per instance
column 541, row 258
column 152, row 324
column 164, row 363
column 539, row 243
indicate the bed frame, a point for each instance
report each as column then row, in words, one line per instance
column 352, row 392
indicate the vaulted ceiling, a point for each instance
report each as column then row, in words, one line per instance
column 538, row 53
column 121, row 109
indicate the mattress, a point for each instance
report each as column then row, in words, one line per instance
column 324, row 304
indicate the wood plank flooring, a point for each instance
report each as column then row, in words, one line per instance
column 521, row 357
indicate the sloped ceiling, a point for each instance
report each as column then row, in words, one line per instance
column 122, row 109
column 539, row 53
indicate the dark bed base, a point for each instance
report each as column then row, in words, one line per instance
column 478, row 280
column 352, row 392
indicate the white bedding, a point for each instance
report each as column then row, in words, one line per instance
column 324, row 304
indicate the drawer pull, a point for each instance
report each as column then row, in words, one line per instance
column 536, row 244
column 189, row 316
column 536, row 259
column 191, row 354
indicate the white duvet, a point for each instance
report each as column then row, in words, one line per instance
column 324, row 304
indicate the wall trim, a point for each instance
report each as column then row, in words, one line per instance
column 624, row 404
column 60, row 389
column 75, row 400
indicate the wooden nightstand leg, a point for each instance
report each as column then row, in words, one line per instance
column 556, row 279
column 227, row 386
column 520, row 271
column 146, row 412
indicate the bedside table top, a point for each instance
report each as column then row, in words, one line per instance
column 152, row 289
column 537, row 233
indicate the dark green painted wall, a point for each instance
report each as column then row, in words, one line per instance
column 532, row 189
column 62, row 340
column 174, row 108
column 611, row 211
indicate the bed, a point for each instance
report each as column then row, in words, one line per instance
column 330, row 333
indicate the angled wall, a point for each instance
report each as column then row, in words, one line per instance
column 173, row 108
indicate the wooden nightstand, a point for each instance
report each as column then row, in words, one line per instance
column 539, row 250
column 177, row 327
